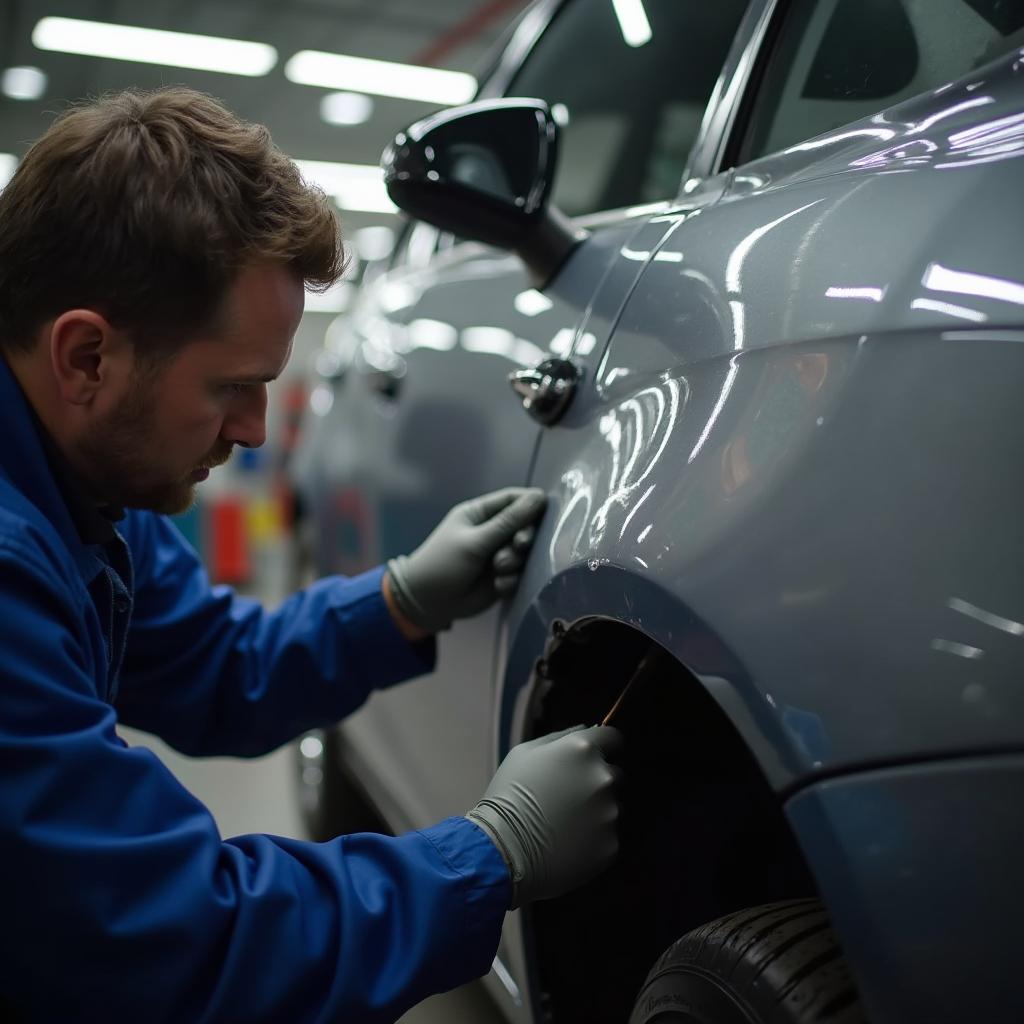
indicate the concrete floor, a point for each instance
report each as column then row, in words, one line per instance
column 258, row 796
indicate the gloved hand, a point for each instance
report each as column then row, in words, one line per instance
column 473, row 557
column 551, row 809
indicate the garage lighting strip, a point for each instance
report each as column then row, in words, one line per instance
column 380, row 77
column 241, row 57
column 154, row 46
column 636, row 29
column 352, row 186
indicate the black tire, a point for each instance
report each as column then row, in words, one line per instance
column 775, row 964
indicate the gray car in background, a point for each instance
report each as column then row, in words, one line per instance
column 757, row 273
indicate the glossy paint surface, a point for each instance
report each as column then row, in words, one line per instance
column 798, row 462
column 922, row 864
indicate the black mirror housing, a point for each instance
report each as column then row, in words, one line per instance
column 484, row 171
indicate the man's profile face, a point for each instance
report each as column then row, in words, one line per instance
column 178, row 420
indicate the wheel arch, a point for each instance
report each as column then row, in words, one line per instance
column 600, row 592
column 703, row 827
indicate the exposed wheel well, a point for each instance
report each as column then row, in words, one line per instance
column 702, row 832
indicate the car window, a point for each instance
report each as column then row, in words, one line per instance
column 839, row 60
column 628, row 81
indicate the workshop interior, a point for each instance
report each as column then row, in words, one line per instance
column 733, row 292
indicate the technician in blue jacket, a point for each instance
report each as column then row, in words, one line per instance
column 153, row 254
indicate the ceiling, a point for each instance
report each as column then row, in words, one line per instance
column 452, row 34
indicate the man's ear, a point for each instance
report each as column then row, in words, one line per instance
column 87, row 355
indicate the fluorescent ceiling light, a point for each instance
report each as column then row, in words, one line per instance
column 23, row 83
column 380, row 77
column 8, row 163
column 154, row 46
column 346, row 108
column 352, row 186
column 636, row 29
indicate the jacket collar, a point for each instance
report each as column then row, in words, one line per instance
column 36, row 468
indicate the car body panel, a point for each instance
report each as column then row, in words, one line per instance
column 920, row 868
column 783, row 474
column 760, row 427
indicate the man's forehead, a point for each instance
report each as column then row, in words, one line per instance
column 240, row 358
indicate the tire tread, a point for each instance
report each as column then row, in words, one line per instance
column 781, row 959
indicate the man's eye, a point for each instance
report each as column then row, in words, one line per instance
column 235, row 388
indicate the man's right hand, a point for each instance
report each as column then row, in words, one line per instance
column 552, row 811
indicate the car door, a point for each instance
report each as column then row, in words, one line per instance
column 424, row 417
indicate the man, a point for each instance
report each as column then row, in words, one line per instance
column 153, row 255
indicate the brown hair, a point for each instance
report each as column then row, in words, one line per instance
column 145, row 206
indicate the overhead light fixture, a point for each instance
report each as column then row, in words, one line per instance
column 23, row 83
column 380, row 77
column 352, row 186
column 8, row 165
column 636, row 29
column 346, row 108
column 154, row 46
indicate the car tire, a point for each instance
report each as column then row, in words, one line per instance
column 774, row 964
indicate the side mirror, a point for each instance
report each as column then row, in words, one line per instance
column 484, row 171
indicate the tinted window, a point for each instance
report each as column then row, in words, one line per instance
column 629, row 112
column 840, row 60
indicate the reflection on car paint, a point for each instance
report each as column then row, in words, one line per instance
column 988, row 618
column 942, row 279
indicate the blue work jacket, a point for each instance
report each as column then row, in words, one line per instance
column 121, row 901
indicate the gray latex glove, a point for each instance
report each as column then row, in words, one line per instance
column 551, row 809
column 472, row 558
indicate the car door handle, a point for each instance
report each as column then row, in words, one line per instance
column 547, row 389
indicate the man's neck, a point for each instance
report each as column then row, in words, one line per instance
column 32, row 372
column 92, row 520
column 29, row 370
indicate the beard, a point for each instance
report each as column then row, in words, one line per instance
column 121, row 459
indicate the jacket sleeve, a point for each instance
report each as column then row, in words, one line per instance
column 214, row 673
column 121, row 901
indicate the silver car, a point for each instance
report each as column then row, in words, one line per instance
column 756, row 274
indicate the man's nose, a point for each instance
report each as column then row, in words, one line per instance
column 246, row 422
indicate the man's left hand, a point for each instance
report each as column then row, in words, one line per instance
column 472, row 558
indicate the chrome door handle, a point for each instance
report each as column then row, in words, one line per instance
column 547, row 389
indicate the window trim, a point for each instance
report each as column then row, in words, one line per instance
column 733, row 93
column 731, row 150
column 532, row 25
